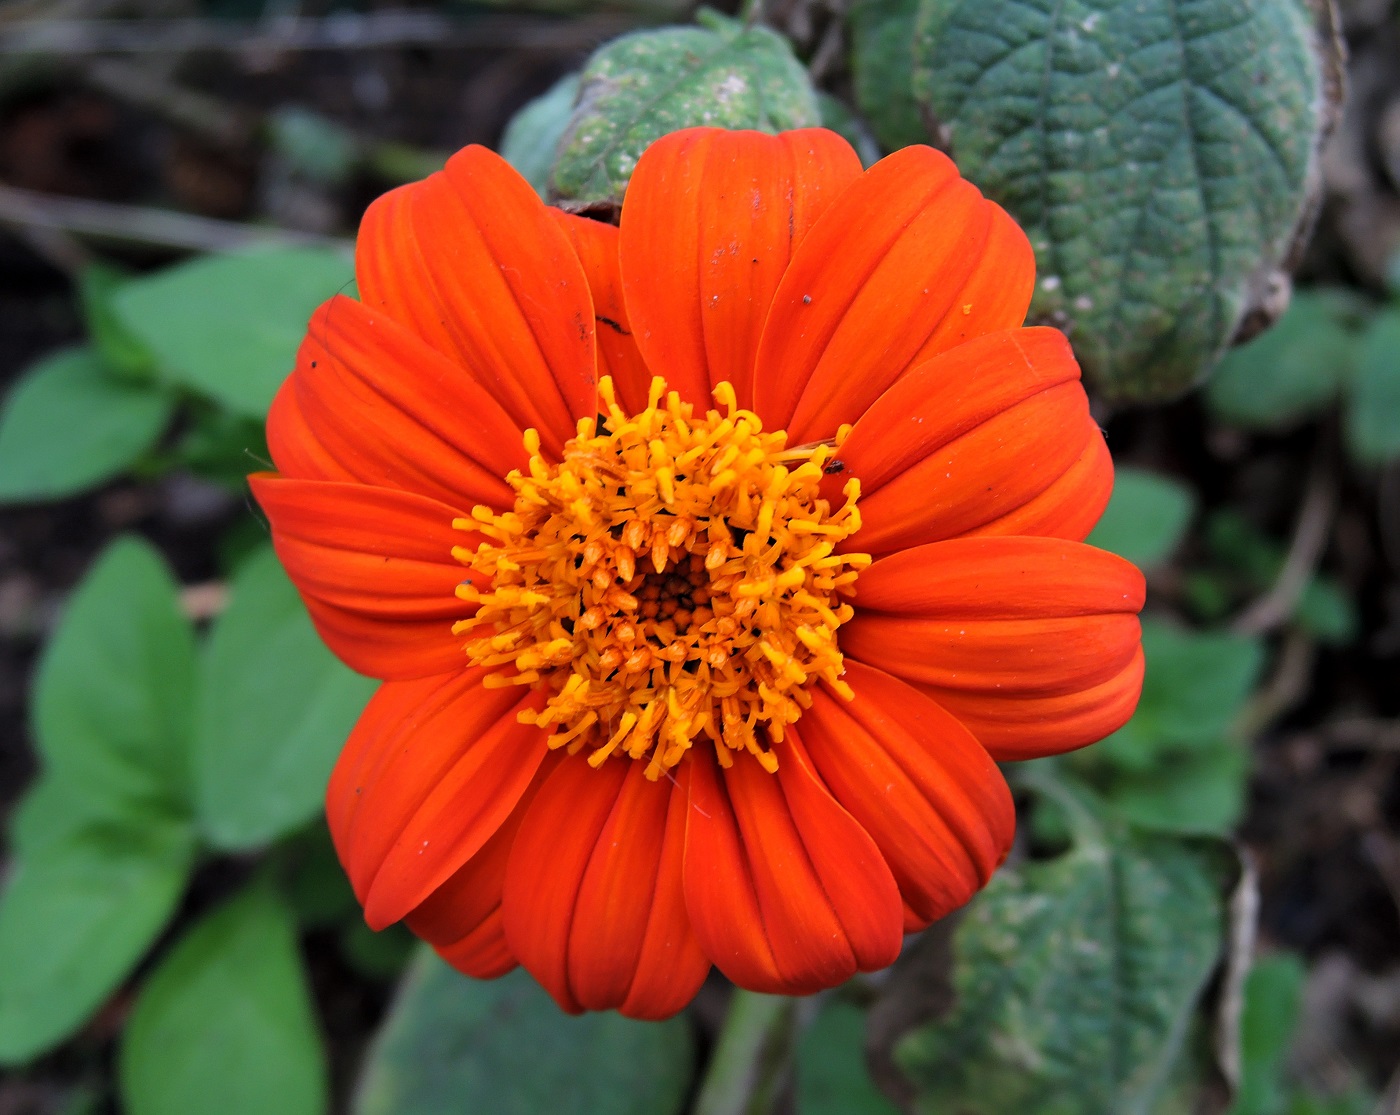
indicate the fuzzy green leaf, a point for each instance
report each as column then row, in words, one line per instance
column 642, row 86
column 119, row 352
column 1157, row 154
column 451, row 1044
column 1075, row 980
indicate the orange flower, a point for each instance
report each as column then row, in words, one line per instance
column 712, row 670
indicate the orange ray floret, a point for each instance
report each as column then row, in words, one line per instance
column 586, row 498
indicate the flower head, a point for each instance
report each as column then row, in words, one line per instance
column 709, row 562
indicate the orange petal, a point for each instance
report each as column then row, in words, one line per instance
column 999, row 619
column 379, row 406
column 431, row 772
column 709, row 223
column 908, row 246
column 966, row 439
column 375, row 569
column 672, row 965
column 470, row 261
column 787, row 893
column 918, row 782
column 719, row 886
column 482, row 953
column 630, row 898
column 1029, row 727
column 593, row 902
column 462, row 918
column 1073, row 502
column 552, row 850
column 618, row 355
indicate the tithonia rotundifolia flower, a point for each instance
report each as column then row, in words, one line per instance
column 710, row 562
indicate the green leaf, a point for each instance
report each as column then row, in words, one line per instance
column 1075, row 979
column 225, row 1025
column 377, row 956
column 451, row 1045
column 1157, row 154
column 222, row 447
column 1195, row 792
column 1273, row 992
column 119, row 352
column 1327, row 612
column 76, row 916
column 882, row 65
column 228, row 326
column 831, row 1075
column 275, row 708
column 310, row 878
column 1195, row 686
column 642, row 86
column 1146, row 517
column 1291, row 371
column 532, row 136
column 114, row 700
column 68, row 425
column 1373, row 405
column 318, row 147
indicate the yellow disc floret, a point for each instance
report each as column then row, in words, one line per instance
column 673, row 578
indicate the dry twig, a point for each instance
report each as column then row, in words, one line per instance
column 1310, row 536
column 134, row 224
column 344, row 31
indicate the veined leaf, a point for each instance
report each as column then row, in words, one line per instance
column 1158, row 155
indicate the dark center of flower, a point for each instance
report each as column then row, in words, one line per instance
column 673, row 578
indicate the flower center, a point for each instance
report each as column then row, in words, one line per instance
column 673, row 578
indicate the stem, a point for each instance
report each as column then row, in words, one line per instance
column 738, row 1081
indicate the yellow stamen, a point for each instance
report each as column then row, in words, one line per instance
column 674, row 578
